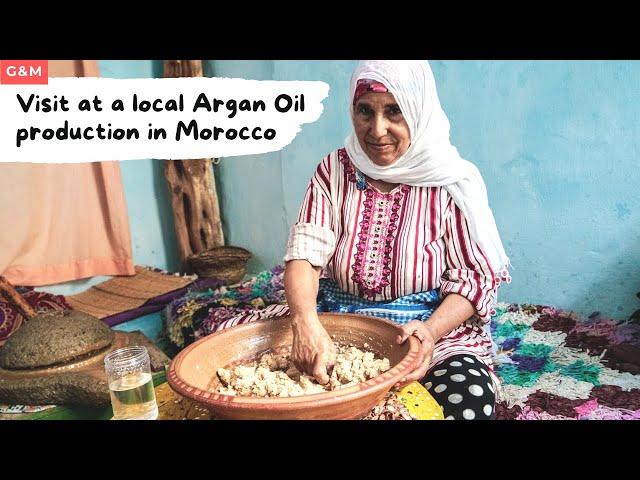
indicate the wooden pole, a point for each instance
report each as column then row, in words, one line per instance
column 192, row 188
column 15, row 299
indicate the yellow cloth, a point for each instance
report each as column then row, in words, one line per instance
column 419, row 402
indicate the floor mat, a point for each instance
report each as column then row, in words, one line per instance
column 123, row 298
column 555, row 365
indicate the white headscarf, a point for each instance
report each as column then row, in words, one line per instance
column 431, row 160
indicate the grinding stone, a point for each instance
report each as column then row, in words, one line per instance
column 51, row 339
column 81, row 383
column 80, row 389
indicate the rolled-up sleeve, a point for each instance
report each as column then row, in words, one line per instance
column 468, row 271
column 308, row 241
column 311, row 237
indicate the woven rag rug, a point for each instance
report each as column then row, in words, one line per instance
column 552, row 363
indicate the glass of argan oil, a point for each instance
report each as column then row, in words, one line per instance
column 130, row 384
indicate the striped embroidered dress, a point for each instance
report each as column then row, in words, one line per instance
column 382, row 246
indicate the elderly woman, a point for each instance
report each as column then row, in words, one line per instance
column 401, row 226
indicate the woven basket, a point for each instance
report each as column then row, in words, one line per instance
column 227, row 264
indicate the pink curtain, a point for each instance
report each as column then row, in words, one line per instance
column 66, row 221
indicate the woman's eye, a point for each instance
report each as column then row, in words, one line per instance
column 363, row 110
column 395, row 111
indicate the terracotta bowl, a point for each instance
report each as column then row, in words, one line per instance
column 192, row 372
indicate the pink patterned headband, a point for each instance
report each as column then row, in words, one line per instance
column 365, row 85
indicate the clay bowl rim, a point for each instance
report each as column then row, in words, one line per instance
column 385, row 381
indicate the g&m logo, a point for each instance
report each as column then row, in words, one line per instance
column 24, row 72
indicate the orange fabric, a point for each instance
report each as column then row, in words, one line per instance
column 66, row 221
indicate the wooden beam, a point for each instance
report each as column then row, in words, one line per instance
column 192, row 188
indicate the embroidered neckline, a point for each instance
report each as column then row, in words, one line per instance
column 353, row 175
column 378, row 228
column 356, row 176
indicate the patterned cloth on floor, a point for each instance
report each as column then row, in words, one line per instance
column 557, row 366
column 11, row 319
column 20, row 409
column 200, row 313
column 553, row 364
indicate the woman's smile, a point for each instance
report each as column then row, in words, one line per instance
column 382, row 147
column 381, row 128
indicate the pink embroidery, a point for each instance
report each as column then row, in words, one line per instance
column 504, row 277
column 378, row 228
column 372, row 265
column 346, row 161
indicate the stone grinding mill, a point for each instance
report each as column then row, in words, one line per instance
column 57, row 358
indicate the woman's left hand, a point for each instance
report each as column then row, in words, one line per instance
column 420, row 330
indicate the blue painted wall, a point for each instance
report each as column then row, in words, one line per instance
column 150, row 218
column 556, row 141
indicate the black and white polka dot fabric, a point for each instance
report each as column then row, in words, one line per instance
column 463, row 387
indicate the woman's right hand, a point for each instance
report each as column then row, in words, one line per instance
column 313, row 352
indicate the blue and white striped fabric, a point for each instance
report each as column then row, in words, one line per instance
column 417, row 306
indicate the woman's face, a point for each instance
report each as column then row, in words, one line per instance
column 381, row 129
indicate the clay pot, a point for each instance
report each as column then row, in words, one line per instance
column 192, row 373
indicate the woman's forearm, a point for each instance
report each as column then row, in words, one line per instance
column 301, row 282
column 312, row 349
column 452, row 312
